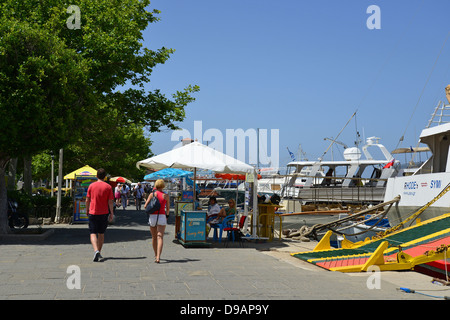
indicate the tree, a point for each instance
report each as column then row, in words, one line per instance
column 114, row 148
column 43, row 86
column 51, row 76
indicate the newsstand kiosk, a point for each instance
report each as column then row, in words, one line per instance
column 81, row 185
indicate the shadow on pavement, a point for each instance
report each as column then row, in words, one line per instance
column 132, row 225
column 129, row 225
column 122, row 258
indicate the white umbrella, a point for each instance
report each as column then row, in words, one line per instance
column 198, row 156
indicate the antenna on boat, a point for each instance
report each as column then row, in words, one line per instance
column 334, row 140
column 423, row 89
column 301, row 153
column 439, row 116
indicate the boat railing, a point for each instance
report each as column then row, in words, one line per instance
column 370, row 192
column 337, row 181
column 440, row 115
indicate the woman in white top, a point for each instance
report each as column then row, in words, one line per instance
column 213, row 210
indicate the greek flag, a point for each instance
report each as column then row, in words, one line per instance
column 292, row 155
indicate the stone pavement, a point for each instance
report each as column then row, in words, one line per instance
column 31, row 269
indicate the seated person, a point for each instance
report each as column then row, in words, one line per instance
column 213, row 210
column 228, row 211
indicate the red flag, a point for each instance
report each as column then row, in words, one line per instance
column 389, row 164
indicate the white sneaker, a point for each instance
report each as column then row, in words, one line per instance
column 97, row 256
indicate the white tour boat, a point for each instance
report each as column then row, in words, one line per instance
column 427, row 186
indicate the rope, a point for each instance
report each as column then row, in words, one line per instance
column 408, row 290
column 383, row 214
column 306, row 231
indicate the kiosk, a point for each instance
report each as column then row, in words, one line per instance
column 179, row 206
column 193, row 228
column 81, row 185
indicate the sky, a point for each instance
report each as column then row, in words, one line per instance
column 300, row 68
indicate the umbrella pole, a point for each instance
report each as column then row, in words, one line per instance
column 195, row 189
column 237, row 196
column 255, row 219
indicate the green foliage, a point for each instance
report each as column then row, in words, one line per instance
column 37, row 204
column 54, row 80
column 115, row 148
column 42, row 89
column 23, row 199
column 58, row 85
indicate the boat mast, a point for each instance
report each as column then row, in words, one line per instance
column 332, row 142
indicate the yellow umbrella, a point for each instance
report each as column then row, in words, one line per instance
column 86, row 170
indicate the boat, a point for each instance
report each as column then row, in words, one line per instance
column 324, row 191
column 355, row 227
column 418, row 216
column 429, row 184
column 360, row 231
column 332, row 190
column 342, row 181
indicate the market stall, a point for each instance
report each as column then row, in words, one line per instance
column 198, row 156
column 83, row 171
column 81, row 185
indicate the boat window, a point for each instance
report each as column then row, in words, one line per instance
column 443, row 154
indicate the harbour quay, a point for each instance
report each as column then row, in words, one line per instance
column 47, row 269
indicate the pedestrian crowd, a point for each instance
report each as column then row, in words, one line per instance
column 124, row 192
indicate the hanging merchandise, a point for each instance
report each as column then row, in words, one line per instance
column 81, row 186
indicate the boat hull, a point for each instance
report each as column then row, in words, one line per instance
column 359, row 233
column 415, row 192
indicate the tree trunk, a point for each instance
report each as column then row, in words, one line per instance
column 12, row 174
column 4, row 228
column 27, row 178
column 60, row 184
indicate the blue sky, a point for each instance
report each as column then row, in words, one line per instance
column 303, row 67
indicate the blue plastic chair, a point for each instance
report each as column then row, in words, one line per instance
column 208, row 222
column 225, row 223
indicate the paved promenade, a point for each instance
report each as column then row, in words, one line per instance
column 260, row 271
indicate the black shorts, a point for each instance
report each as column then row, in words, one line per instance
column 98, row 223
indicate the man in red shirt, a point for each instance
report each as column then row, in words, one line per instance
column 99, row 205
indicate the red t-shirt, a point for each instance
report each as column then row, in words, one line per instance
column 99, row 193
column 162, row 201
